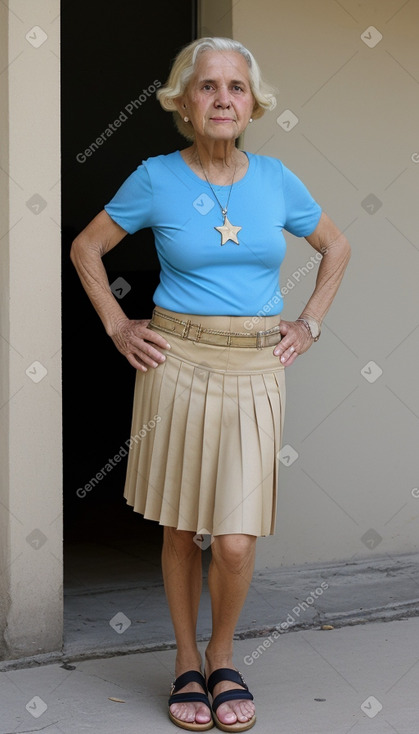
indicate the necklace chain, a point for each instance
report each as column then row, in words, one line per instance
column 223, row 210
column 227, row 230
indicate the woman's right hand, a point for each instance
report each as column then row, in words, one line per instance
column 138, row 343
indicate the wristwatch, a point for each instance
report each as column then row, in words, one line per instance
column 312, row 326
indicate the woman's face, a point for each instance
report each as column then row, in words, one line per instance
column 219, row 101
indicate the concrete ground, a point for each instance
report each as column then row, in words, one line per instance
column 362, row 678
column 117, row 662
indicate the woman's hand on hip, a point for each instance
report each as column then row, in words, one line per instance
column 295, row 340
column 138, row 343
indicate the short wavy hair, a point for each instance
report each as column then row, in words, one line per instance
column 184, row 67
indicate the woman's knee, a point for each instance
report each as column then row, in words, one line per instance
column 180, row 540
column 234, row 551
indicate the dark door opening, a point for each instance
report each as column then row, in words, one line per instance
column 113, row 57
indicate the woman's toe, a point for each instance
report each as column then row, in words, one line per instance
column 182, row 712
column 229, row 713
column 244, row 711
column 188, row 712
column 203, row 715
column 226, row 714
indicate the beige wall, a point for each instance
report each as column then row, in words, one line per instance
column 4, row 328
column 352, row 491
column 30, row 331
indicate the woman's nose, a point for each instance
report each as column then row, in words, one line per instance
column 223, row 98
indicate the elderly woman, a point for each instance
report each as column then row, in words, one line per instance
column 210, row 369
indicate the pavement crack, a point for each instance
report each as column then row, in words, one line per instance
column 31, row 731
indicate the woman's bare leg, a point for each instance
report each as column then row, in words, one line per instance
column 182, row 575
column 229, row 577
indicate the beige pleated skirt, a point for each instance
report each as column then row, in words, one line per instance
column 206, row 432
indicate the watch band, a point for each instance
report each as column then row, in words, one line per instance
column 312, row 326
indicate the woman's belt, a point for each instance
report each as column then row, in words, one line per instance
column 197, row 333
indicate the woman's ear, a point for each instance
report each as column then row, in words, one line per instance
column 181, row 106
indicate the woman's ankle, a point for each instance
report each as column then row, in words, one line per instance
column 218, row 658
column 190, row 660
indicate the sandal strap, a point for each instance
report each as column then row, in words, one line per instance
column 234, row 695
column 190, row 697
column 191, row 676
column 234, row 676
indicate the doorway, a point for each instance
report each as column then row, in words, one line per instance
column 113, row 59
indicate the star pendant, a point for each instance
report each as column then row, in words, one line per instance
column 228, row 231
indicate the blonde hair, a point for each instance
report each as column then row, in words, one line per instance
column 183, row 69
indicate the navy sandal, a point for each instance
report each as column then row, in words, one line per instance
column 192, row 676
column 236, row 694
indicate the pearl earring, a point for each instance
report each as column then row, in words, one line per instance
column 251, row 119
column 186, row 119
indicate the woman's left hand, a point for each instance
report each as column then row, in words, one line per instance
column 295, row 340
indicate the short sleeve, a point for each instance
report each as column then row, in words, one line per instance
column 302, row 211
column 132, row 205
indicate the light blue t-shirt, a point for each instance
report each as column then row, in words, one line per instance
column 198, row 275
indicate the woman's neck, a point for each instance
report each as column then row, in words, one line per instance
column 218, row 160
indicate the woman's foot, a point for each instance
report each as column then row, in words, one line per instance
column 190, row 712
column 232, row 712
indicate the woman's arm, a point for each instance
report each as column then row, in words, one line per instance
column 336, row 251
column 131, row 337
column 328, row 240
